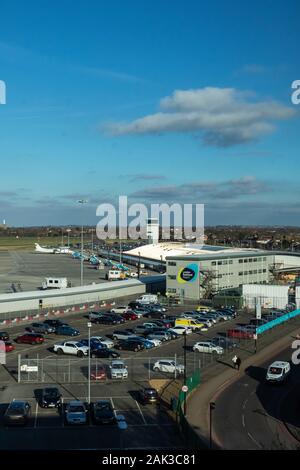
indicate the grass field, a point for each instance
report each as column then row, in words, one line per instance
column 27, row 243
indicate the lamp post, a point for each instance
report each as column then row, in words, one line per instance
column 89, row 325
column 68, row 232
column 212, row 406
column 139, row 265
column 82, row 202
column 184, row 373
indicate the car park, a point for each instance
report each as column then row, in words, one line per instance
column 17, row 413
column 4, row 336
column 102, row 412
column 30, row 338
column 165, row 365
column 67, row 331
column 148, row 396
column 50, row 398
column 76, row 412
column 105, row 341
column 129, row 345
column 118, row 370
column 74, row 348
column 278, row 371
column 104, row 353
column 207, row 347
column 98, row 372
column 43, row 328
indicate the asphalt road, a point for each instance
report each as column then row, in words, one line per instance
column 251, row 414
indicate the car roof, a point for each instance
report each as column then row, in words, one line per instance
column 75, row 402
column 279, row 364
column 117, row 362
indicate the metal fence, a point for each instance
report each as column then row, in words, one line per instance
column 75, row 370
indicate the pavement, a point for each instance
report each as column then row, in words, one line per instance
column 232, row 391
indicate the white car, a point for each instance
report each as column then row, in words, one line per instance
column 120, row 309
column 71, row 347
column 76, row 412
column 207, row 347
column 181, row 329
column 166, row 365
column 100, row 339
column 278, row 371
column 155, row 341
column 118, row 370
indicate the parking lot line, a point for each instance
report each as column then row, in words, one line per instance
column 141, row 413
column 62, row 412
column 36, row 414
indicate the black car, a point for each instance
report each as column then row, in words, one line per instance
column 50, row 398
column 148, row 396
column 223, row 342
column 56, row 323
column 129, row 345
column 103, row 412
column 135, row 304
column 43, row 328
column 4, row 336
column 105, row 353
column 17, row 413
column 118, row 318
column 106, row 320
column 258, row 321
column 154, row 314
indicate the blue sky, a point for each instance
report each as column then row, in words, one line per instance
column 162, row 101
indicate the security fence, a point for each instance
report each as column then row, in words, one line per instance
column 76, row 370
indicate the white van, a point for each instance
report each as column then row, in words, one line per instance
column 148, row 299
column 278, row 371
column 115, row 275
column 55, row 283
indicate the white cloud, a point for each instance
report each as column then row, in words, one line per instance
column 222, row 116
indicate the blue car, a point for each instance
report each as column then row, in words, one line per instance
column 145, row 342
column 67, row 331
column 95, row 345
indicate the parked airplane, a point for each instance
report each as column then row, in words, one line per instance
column 59, row 250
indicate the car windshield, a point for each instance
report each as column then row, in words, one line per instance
column 76, row 409
column 51, row 392
column 103, row 407
column 17, row 406
column 118, row 366
column 275, row 370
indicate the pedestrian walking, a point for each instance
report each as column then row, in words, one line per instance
column 238, row 363
column 234, row 359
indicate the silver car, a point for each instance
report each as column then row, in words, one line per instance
column 76, row 412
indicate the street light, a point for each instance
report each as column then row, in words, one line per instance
column 81, row 201
column 68, row 232
column 89, row 325
column 184, row 372
column 212, row 406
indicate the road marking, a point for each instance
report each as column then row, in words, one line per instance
column 141, row 413
column 254, row 440
column 36, row 415
column 243, row 420
column 112, row 404
column 88, row 425
column 62, row 412
column 245, row 403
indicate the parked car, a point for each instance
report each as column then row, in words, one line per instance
column 207, row 347
column 141, row 329
column 102, row 340
column 129, row 316
column 156, row 342
column 161, row 335
column 224, row 342
column 165, row 365
column 106, row 320
column 163, row 323
column 95, row 315
column 55, row 323
column 148, row 396
column 103, row 412
column 181, row 330
column 139, row 311
column 9, row 346
column 118, row 318
column 104, row 353
column 4, row 336
column 17, row 413
column 129, row 345
column 67, row 331
column 241, row 333
column 120, row 309
column 258, row 321
column 92, row 344
column 43, row 328
column 74, row 348
column 98, row 372
column 76, row 412
column 122, row 334
column 154, row 314
column 30, row 338
column 50, row 398
column 145, row 342
column 136, row 305
column 118, row 370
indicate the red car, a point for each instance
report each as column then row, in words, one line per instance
column 30, row 338
column 98, row 372
column 9, row 346
column 130, row 316
column 239, row 333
